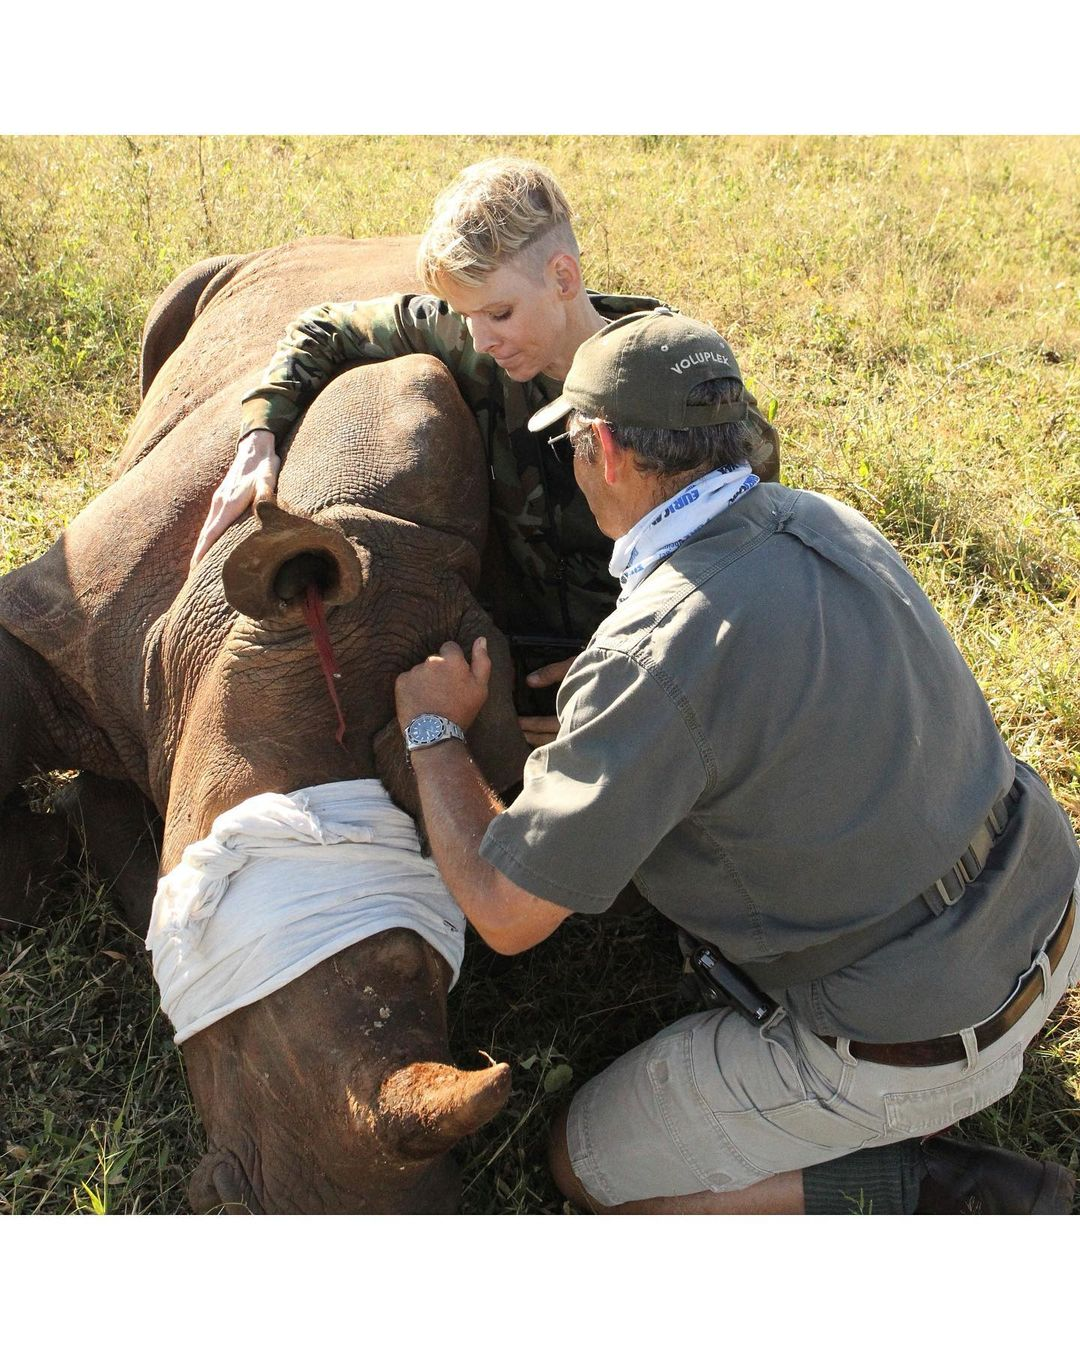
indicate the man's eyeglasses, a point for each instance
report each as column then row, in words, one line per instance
column 562, row 447
column 567, row 446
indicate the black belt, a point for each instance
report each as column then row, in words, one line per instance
column 813, row 962
column 946, row 1049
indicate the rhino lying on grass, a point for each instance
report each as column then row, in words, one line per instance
column 318, row 1060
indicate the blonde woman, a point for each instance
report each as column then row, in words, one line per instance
column 506, row 311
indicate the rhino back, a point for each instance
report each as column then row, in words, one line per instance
column 234, row 333
column 88, row 603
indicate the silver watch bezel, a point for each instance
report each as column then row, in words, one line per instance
column 441, row 729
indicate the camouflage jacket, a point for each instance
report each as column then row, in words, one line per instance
column 556, row 555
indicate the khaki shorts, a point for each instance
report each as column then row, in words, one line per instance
column 714, row 1103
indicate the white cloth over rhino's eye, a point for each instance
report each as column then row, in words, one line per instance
column 283, row 882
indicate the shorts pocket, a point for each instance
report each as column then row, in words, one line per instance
column 922, row 1112
column 819, row 1122
column 787, row 1138
column 757, row 1116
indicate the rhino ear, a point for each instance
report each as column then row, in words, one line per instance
column 495, row 737
column 218, row 1186
column 267, row 573
column 424, row 1109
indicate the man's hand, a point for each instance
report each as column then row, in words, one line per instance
column 252, row 477
column 445, row 684
column 543, row 730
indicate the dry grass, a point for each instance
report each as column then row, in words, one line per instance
column 908, row 307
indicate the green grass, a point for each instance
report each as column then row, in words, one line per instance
column 95, row 1113
column 911, row 309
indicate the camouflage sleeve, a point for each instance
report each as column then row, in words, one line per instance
column 329, row 337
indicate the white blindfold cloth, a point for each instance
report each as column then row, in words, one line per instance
column 283, row 882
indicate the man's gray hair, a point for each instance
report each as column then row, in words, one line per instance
column 667, row 453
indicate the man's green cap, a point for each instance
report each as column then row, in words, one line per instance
column 637, row 372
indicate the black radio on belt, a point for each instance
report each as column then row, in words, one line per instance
column 722, row 984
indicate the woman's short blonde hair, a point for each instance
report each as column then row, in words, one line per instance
column 492, row 214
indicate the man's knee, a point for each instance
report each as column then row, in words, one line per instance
column 559, row 1163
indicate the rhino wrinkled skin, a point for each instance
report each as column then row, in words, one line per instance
column 336, row 1094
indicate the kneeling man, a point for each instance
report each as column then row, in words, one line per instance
column 776, row 738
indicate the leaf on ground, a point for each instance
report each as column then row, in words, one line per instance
column 557, row 1078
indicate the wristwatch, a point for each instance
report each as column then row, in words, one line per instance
column 430, row 729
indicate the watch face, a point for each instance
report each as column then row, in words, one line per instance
column 427, row 727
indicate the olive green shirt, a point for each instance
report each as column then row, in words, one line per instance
column 775, row 736
column 556, row 555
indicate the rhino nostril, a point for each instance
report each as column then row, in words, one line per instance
column 297, row 573
column 219, row 1184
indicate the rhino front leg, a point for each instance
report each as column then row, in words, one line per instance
column 33, row 844
column 33, row 854
column 120, row 831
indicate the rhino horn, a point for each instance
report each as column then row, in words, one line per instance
column 423, row 1109
column 267, row 574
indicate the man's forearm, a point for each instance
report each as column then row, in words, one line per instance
column 458, row 806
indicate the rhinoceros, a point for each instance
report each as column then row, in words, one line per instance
column 185, row 695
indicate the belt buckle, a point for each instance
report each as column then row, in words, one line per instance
column 1000, row 812
column 968, row 866
column 956, row 873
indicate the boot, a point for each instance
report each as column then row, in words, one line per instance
column 967, row 1178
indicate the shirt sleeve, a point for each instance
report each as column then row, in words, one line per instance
column 323, row 340
column 626, row 768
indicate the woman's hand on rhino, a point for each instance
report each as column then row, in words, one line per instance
column 252, row 477
column 446, row 684
column 543, row 730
